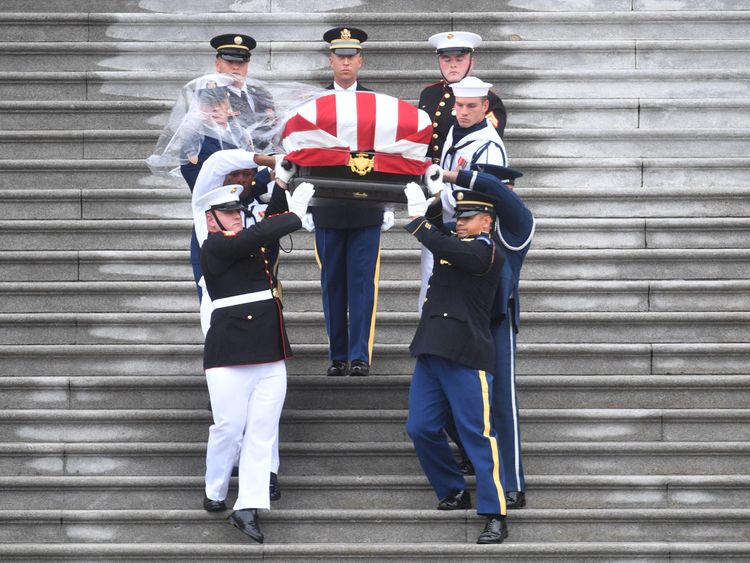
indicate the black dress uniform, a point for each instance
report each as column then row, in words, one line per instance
column 455, row 359
column 438, row 101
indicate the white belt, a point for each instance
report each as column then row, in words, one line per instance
column 243, row 298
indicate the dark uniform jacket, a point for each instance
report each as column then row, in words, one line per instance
column 516, row 223
column 455, row 321
column 442, row 116
column 247, row 117
column 209, row 146
column 346, row 214
column 234, row 264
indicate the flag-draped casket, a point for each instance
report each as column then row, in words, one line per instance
column 358, row 144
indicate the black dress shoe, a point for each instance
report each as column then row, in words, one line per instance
column 337, row 368
column 457, row 501
column 213, row 505
column 465, row 466
column 359, row 367
column 246, row 521
column 515, row 499
column 495, row 530
column 273, row 488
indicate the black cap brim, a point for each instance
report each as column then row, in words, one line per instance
column 242, row 57
column 345, row 52
column 455, row 51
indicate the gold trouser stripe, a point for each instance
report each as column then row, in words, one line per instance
column 317, row 256
column 492, row 440
column 371, row 342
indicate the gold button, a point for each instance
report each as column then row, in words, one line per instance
column 438, row 114
column 441, row 104
column 262, row 248
column 447, row 95
column 453, row 112
column 252, row 183
column 435, row 147
column 445, row 314
column 425, row 300
column 435, row 135
column 249, row 317
column 275, row 292
column 435, row 124
column 436, row 160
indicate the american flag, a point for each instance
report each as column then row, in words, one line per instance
column 324, row 132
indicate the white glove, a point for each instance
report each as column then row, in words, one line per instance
column 388, row 219
column 282, row 174
column 433, row 179
column 300, row 198
column 416, row 202
column 307, row 222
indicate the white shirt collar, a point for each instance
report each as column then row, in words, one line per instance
column 351, row 88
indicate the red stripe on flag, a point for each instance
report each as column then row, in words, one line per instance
column 365, row 121
column 319, row 157
column 326, row 114
column 396, row 164
column 407, row 120
column 297, row 124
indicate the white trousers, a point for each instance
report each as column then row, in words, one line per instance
column 246, row 402
column 426, row 265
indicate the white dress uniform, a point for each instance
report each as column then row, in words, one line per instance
column 482, row 145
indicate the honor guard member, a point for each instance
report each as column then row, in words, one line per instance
column 514, row 231
column 456, row 356
column 250, row 103
column 244, row 351
column 471, row 140
column 347, row 240
column 455, row 50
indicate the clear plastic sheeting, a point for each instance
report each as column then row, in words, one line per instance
column 222, row 111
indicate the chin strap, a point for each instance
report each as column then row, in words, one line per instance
column 471, row 59
column 216, row 218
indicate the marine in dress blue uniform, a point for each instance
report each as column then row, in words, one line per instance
column 514, row 231
column 438, row 99
column 347, row 241
column 455, row 359
column 244, row 351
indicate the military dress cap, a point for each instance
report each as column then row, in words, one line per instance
column 502, row 173
column 345, row 41
column 470, row 87
column 471, row 202
column 233, row 46
column 224, row 198
column 455, row 42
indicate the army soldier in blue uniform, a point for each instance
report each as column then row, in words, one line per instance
column 514, row 231
column 456, row 356
column 347, row 240
column 455, row 50
column 245, row 349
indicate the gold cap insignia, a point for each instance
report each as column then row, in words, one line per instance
column 237, row 40
column 459, row 196
column 450, row 36
column 233, row 190
column 346, row 34
column 211, row 84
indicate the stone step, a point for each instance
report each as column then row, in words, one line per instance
column 377, row 458
column 578, row 173
column 381, row 55
column 571, row 552
column 550, row 233
column 386, row 492
column 371, row 425
column 388, row 359
column 394, row 296
column 375, row 526
column 382, row 26
column 317, row 392
column 556, row 84
column 54, row 328
column 700, row 202
column 522, row 143
column 541, row 264
column 525, row 114
column 113, row 115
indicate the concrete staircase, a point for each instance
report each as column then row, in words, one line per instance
column 631, row 121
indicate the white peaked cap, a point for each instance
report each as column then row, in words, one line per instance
column 456, row 41
column 470, row 87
